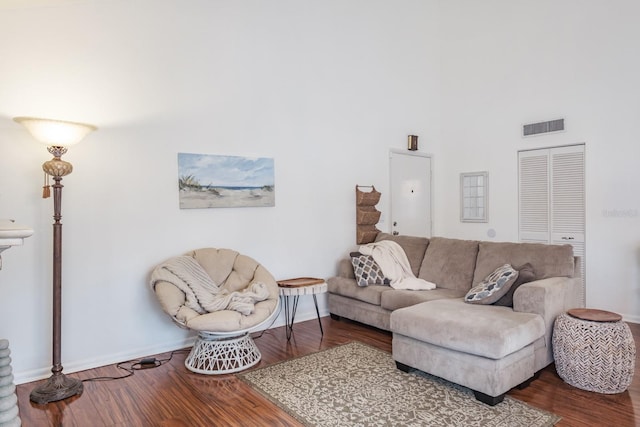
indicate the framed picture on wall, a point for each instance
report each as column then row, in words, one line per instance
column 212, row 181
column 474, row 197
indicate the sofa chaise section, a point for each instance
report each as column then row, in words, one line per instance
column 489, row 349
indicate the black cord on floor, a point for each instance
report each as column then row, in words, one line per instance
column 270, row 324
column 136, row 365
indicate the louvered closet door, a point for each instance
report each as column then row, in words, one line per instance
column 552, row 198
column 533, row 195
column 568, row 198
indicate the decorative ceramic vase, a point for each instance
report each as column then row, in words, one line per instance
column 8, row 398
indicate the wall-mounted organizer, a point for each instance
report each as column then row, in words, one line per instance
column 367, row 216
column 8, row 398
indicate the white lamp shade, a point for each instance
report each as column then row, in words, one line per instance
column 55, row 132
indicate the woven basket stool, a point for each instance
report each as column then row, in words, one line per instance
column 594, row 355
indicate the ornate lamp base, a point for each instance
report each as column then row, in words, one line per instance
column 57, row 387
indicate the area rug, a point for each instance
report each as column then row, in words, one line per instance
column 358, row 385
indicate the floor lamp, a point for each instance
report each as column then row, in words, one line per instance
column 57, row 135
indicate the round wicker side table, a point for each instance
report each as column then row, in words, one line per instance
column 594, row 350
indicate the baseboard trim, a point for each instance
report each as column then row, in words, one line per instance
column 109, row 359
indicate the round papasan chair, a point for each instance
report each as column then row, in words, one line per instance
column 223, row 295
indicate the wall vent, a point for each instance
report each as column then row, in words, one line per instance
column 543, row 127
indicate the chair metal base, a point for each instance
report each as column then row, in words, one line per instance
column 214, row 354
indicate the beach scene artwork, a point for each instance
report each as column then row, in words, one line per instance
column 212, row 181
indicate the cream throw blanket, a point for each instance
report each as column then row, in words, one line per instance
column 395, row 266
column 202, row 294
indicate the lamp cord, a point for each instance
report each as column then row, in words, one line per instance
column 136, row 365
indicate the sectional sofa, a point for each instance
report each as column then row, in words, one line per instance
column 488, row 348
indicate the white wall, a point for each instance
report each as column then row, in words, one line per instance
column 324, row 88
column 508, row 63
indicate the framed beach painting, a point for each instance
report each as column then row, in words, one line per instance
column 212, row 181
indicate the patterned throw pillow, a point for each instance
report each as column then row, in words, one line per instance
column 366, row 270
column 493, row 287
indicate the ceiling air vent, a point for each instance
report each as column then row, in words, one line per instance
column 543, row 127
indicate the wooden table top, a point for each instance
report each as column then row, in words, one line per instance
column 299, row 281
column 594, row 315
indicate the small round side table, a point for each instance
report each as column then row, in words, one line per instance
column 594, row 350
column 294, row 288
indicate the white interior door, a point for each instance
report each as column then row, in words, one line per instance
column 410, row 175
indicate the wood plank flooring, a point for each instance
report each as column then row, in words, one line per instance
column 171, row 396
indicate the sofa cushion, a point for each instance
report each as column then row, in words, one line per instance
column 483, row 330
column 525, row 275
column 400, row 298
column 349, row 288
column 493, row 287
column 414, row 247
column 546, row 260
column 366, row 270
column 449, row 263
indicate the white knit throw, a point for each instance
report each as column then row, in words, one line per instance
column 202, row 294
column 395, row 266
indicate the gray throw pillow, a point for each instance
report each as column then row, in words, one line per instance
column 525, row 275
column 366, row 270
column 493, row 287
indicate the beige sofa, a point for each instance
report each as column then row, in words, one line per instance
column 487, row 348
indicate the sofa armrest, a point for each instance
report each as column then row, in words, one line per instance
column 345, row 268
column 549, row 298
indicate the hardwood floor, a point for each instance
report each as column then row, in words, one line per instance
column 171, row 396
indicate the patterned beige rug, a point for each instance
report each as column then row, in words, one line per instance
column 358, row 385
